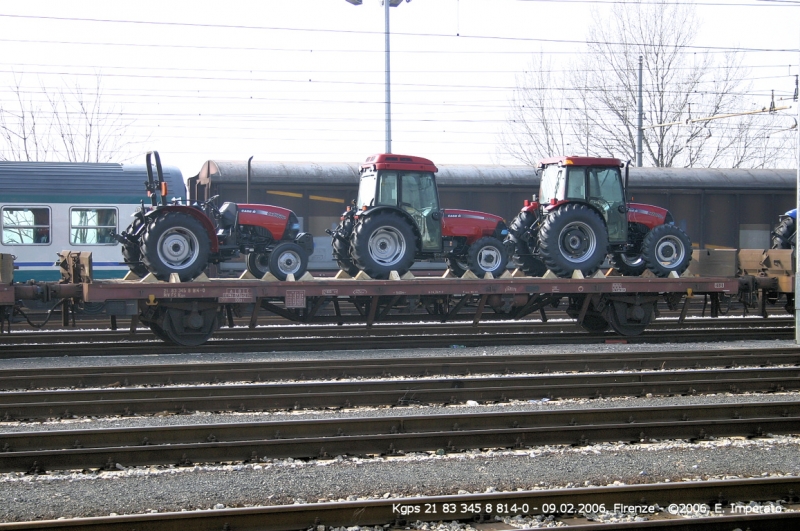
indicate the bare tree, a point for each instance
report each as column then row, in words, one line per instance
column 677, row 86
column 65, row 124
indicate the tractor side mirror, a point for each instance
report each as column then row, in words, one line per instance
column 622, row 209
column 436, row 215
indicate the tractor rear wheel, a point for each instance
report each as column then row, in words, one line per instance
column 666, row 249
column 175, row 242
column 382, row 243
column 341, row 253
column 529, row 264
column 288, row 258
column 487, row 255
column 131, row 254
column 785, row 234
column 573, row 237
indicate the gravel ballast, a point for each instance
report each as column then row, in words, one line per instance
column 146, row 489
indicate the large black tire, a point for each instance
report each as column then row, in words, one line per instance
column 288, row 258
column 257, row 264
column 458, row 265
column 175, row 242
column 784, row 236
column 666, row 249
column 341, row 253
column 524, row 260
column 131, row 254
column 574, row 237
column 630, row 265
column 487, row 255
column 382, row 243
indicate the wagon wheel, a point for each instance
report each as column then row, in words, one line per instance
column 629, row 319
column 186, row 328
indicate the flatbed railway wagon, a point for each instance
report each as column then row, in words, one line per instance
column 188, row 313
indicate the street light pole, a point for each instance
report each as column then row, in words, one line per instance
column 386, row 5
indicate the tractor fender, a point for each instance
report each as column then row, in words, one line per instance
column 792, row 213
column 360, row 216
column 650, row 216
column 195, row 213
column 550, row 209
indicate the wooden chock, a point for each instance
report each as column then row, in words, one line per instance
column 149, row 278
column 306, row 277
column 648, row 274
column 202, row 277
column 174, row 278
column 449, row 274
column 342, row 275
column 518, row 273
column 269, row 277
column 130, row 275
column 598, row 274
column 362, row 276
column 290, row 277
column 488, row 276
column 408, row 275
column 246, row 275
column 549, row 274
column 506, row 274
column 394, row 275
column 576, row 273
column 469, row 275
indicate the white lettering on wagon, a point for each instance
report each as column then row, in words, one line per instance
column 236, row 295
column 616, row 287
column 181, row 293
column 719, row 285
column 295, row 298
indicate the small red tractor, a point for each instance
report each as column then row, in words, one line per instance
column 396, row 220
column 171, row 238
column 582, row 214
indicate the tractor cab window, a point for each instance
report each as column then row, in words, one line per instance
column 576, row 184
column 387, row 189
column 552, row 176
column 605, row 193
column 366, row 191
column 419, row 191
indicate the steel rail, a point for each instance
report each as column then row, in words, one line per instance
column 366, row 341
column 383, row 512
column 266, row 371
column 281, row 396
column 189, row 444
column 379, row 329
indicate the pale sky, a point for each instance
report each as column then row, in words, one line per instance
column 303, row 80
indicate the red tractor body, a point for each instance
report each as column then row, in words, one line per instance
column 396, row 220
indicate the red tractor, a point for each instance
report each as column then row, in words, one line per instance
column 582, row 214
column 397, row 220
column 171, row 238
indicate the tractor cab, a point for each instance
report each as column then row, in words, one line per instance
column 595, row 181
column 406, row 184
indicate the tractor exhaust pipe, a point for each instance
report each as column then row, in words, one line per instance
column 249, row 172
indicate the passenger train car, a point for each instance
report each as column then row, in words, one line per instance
column 717, row 208
column 47, row 207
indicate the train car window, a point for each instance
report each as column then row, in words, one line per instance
column 26, row 226
column 92, row 226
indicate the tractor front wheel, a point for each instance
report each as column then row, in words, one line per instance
column 666, row 249
column 573, row 237
column 382, row 243
column 288, row 258
column 630, row 265
column 487, row 255
column 175, row 243
column 257, row 264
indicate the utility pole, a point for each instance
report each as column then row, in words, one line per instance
column 639, row 121
column 386, row 5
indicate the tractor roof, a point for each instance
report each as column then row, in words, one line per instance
column 581, row 161
column 390, row 161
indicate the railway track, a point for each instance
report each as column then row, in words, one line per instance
column 715, row 499
column 266, row 371
column 37, row 452
column 390, row 392
column 315, row 338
